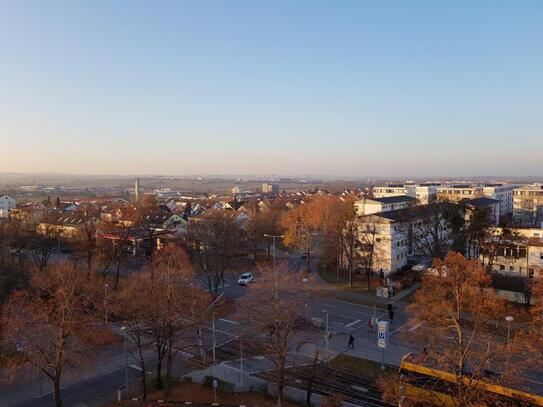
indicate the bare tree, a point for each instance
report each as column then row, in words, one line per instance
column 114, row 248
column 50, row 325
column 454, row 310
column 219, row 239
column 430, row 233
column 271, row 313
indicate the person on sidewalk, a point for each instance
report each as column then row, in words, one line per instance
column 370, row 325
column 351, row 342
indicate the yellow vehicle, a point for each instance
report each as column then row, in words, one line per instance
column 423, row 385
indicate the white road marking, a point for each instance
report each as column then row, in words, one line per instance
column 331, row 306
column 135, row 367
column 350, row 324
column 229, row 321
column 417, row 326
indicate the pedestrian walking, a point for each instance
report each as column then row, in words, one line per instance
column 351, row 342
column 391, row 315
column 370, row 325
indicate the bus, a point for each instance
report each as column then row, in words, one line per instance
column 421, row 385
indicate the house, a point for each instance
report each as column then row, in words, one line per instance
column 6, row 204
column 64, row 225
column 368, row 206
column 165, row 221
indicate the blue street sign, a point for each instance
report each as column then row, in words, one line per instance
column 20, row 344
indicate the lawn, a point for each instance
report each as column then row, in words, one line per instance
column 195, row 393
column 362, row 367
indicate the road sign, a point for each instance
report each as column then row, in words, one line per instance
column 382, row 334
column 20, row 344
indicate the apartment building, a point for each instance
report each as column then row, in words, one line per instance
column 389, row 190
column 268, row 188
column 528, row 205
column 6, row 204
column 492, row 206
column 385, row 237
column 424, row 193
column 519, row 255
column 502, row 193
column 456, row 193
column 370, row 206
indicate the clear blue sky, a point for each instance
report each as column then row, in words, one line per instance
column 284, row 87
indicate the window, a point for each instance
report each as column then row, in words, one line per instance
column 540, row 255
column 511, row 268
column 502, row 267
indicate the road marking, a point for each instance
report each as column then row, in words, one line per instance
column 361, row 389
column 417, row 326
column 331, row 306
column 135, row 367
column 353, row 323
column 229, row 321
column 49, row 392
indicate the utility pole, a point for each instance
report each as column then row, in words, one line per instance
column 306, row 301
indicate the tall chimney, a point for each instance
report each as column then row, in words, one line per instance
column 137, row 190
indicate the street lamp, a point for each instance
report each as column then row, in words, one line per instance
column 509, row 319
column 273, row 254
column 305, row 280
column 123, row 328
column 105, row 302
column 327, row 336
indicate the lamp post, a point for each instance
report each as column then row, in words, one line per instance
column 326, row 336
column 213, row 330
column 273, row 255
column 306, row 301
column 509, row 319
column 105, row 303
column 123, row 328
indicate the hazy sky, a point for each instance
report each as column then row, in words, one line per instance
column 284, row 87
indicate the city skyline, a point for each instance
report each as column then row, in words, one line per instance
column 364, row 89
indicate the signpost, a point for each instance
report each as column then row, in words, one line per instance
column 382, row 338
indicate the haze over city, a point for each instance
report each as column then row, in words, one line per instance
column 353, row 89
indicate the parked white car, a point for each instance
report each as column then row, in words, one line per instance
column 245, row 278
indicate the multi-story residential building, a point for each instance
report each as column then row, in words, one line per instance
column 492, row 206
column 389, row 190
column 425, row 193
column 456, row 193
column 504, row 194
column 518, row 254
column 528, row 205
column 268, row 188
column 370, row 206
column 383, row 241
column 64, row 225
column 6, row 204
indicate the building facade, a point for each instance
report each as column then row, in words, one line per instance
column 459, row 192
column 528, row 205
column 502, row 193
column 6, row 204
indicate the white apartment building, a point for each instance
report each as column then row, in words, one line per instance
column 522, row 255
column 389, row 190
column 385, row 237
column 6, row 204
column 369, row 206
column 502, row 193
column 528, row 205
column 425, row 193
column 456, row 193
